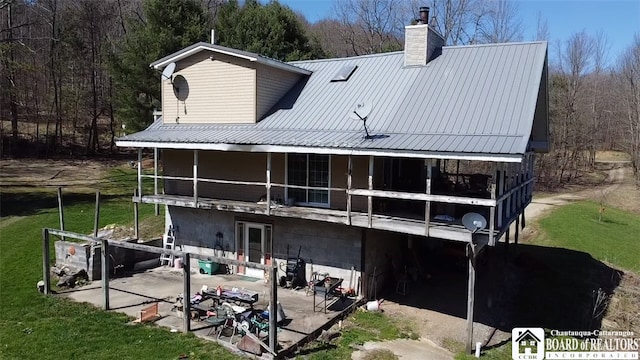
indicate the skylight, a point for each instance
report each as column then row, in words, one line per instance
column 344, row 73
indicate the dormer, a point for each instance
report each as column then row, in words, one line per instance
column 213, row 84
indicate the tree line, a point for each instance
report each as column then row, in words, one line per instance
column 75, row 75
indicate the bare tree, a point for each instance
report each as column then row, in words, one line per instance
column 371, row 26
column 458, row 21
column 629, row 80
column 542, row 29
column 501, row 23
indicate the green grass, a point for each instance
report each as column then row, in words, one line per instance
column 613, row 240
column 361, row 327
column 33, row 325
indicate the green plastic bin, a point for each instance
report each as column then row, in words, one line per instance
column 208, row 267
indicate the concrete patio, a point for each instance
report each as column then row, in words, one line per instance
column 129, row 293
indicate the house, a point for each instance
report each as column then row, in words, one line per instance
column 527, row 343
column 352, row 162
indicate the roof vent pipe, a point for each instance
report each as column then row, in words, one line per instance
column 424, row 15
column 213, row 36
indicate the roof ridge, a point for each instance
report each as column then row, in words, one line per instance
column 537, row 42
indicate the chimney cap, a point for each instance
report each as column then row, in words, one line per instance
column 424, row 15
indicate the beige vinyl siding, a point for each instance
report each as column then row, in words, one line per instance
column 219, row 165
column 272, row 85
column 222, row 90
column 359, row 180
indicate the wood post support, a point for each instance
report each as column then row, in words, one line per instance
column 273, row 312
column 105, row 273
column 46, row 265
column 155, row 179
column 186, row 282
column 471, row 255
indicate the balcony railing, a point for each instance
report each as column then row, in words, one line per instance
column 510, row 190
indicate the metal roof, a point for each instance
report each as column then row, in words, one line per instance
column 197, row 47
column 477, row 99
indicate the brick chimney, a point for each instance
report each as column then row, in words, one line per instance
column 421, row 42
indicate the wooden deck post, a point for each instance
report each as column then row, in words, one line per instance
column 105, row 274
column 492, row 209
column 268, row 184
column 96, row 219
column 140, row 172
column 273, row 312
column 369, row 198
column 515, row 241
column 186, row 282
column 61, row 210
column 349, row 170
column 471, row 254
column 155, row 179
column 195, row 178
column 46, row 272
column 506, row 243
column 427, row 204
column 501, row 190
column 509, row 185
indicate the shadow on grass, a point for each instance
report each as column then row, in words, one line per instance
column 31, row 203
column 537, row 286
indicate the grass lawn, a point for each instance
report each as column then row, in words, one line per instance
column 45, row 327
column 613, row 240
column 361, row 327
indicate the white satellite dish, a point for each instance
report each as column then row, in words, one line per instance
column 474, row 222
column 168, row 71
column 361, row 111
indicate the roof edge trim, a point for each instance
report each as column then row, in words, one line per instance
column 196, row 48
column 508, row 158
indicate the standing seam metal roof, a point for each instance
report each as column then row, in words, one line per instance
column 470, row 99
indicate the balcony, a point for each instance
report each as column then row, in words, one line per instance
column 509, row 190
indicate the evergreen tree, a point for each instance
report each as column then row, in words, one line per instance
column 168, row 26
column 272, row 30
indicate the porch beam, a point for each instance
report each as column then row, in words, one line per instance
column 195, row 177
column 423, row 197
column 140, row 172
column 370, row 196
column 349, row 170
column 268, row 184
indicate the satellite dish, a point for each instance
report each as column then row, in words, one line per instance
column 168, row 71
column 180, row 87
column 361, row 111
column 474, row 222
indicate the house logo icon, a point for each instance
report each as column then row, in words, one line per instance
column 527, row 343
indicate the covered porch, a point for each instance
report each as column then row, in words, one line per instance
column 499, row 188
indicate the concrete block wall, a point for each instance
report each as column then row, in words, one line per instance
column 76, row 256
column 89, row 257
column 326, row 248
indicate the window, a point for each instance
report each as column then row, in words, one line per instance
column 309, row 171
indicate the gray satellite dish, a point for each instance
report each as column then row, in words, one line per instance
column 474, row 222
column 168, row 71
column 360, row 112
